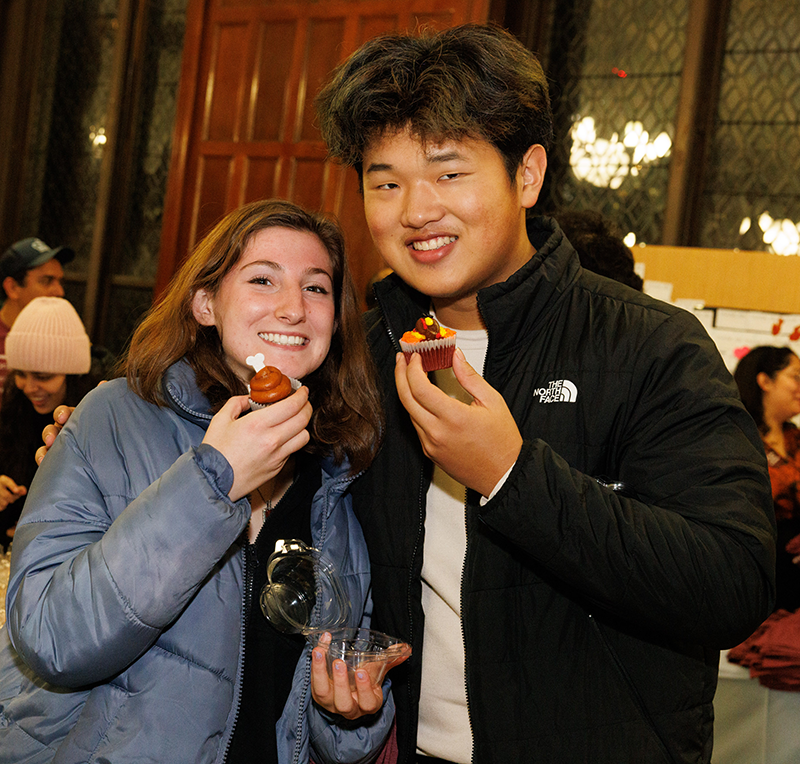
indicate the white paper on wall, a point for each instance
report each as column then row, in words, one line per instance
column 735, row 332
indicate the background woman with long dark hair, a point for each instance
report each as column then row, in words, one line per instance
column 768, row 379
column 756, row 713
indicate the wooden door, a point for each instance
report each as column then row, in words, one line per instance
column 245, row 125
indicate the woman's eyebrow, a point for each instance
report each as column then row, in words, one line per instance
column 312, row 271
column 260, row 263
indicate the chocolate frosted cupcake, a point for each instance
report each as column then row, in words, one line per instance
column 269, row 385
column 434, row 343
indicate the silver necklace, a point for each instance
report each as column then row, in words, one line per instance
column 267, row 509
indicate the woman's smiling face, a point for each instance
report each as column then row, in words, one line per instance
column 44, row 391
column 277, row 300
column 781, row 393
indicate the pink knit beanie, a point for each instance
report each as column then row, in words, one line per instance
column 48, row 337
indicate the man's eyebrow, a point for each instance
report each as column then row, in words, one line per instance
column 431, row 157
column 378, row 167
column 444, row 156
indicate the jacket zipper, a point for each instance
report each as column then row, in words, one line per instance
column 303, row 702
column 463, row 630
column 414, row 551
column 298, row 730
column 247, row 592
column 409, row 598
column 464, row 571
column 420, row 528
column 386, row 324
column 420, row 524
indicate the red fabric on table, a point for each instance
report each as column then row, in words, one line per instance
column 772, row 652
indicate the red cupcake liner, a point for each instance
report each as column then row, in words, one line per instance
column 435, row 354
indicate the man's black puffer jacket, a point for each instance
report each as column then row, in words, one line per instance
column 592, row 621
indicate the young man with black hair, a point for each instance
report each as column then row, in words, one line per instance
column 568, row 537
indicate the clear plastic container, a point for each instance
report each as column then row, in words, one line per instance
column 361, row 649
column 303, row 595
column 303, row 591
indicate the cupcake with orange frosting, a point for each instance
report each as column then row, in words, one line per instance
column 434, row 343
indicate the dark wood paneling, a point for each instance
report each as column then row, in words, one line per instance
column 226, row 82
column 307, row 183
column 270, row 86
column 214, row 176
column 22, row 24
column 261, row 178
column 249, row 78
column 323, row 46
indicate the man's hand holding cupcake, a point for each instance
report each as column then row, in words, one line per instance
column 476, row 443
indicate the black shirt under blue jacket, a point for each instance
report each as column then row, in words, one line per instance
column 270, row 656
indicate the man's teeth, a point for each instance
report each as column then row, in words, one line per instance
column 283, row 339
column 439, row 241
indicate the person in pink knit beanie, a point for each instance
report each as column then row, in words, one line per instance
column 49, row 358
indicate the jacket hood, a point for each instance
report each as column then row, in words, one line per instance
column 183, row 396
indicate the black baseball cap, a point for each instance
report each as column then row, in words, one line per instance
column 31, row 253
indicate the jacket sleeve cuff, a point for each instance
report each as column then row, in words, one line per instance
column 356, row 741
column 500, row 484
column 216, row 468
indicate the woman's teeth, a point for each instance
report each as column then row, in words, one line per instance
column 283, row 339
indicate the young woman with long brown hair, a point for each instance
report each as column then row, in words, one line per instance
column 142, row 547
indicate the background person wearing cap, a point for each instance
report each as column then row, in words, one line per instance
column 28, row 269
column 49, row 357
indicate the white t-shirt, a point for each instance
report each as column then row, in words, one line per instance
column 444, row 729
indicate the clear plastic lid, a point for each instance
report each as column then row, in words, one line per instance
column 303, row 592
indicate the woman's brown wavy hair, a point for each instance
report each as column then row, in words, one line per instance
column 347, row 420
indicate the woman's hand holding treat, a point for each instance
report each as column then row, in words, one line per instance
column 334, row 694
column 256, row 449
column 258, row 445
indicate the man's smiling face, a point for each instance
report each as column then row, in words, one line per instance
column 446, row 217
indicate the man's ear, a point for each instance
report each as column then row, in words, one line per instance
column 533, row 167
column 11, row 287
column 203, row 308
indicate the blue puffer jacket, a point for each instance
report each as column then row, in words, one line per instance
column 126, row 588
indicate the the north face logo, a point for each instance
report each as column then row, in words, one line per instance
column 558, row 391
